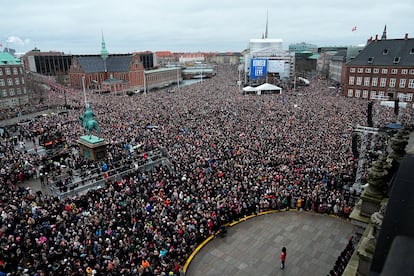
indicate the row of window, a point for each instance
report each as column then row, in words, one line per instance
column 373, row 94
column 7, row 71
column 17, row 81
column 12, row 92
column 393, row 71
column 368, row 81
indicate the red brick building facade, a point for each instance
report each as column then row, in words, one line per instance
column 383, row 69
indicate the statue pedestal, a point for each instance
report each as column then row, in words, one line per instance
column 92, row 147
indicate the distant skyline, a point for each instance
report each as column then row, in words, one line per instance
column 75, row 27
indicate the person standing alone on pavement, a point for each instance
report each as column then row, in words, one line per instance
column 283, row 258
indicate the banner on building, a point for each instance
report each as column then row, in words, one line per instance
column 258, row 68
column 276, row 66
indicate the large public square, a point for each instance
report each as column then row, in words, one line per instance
column 231, row 155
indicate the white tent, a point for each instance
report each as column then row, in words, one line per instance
column 249, row 89
column 268, row 88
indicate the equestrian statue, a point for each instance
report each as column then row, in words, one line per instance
column 88, row 121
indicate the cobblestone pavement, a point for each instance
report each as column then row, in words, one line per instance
column 313, row 243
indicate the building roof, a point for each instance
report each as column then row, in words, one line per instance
column 339, row 56
column 385, row 53
column 7, row 59
column 314, row 56
column 164, row 54
column 95, row 64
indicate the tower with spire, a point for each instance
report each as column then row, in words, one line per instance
column 104, row 52
column 267, row 20
column 384, row 33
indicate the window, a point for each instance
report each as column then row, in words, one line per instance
column 21, row 70
column 357, row 93
column 374, row 81
column 19, row 91
column 381, row 93
column 373, row 94
column 385, row 52
column 8, row 73
column 360, row 70
column 383, row 81
column 2, row 83
column 411, row 83
column 9, row 81
column 396, row 60
column 15, row 72
column 1, row 72
column 404, row 71
column 411, row 71
column 359, row 81
column 392, row 82
column 22, row 81
column 351, row 80
column 394, row 71
column 365, row 94
column 376, row 70
column 409, row 97
column 11, row 91
column 401, row 96
column 367, row 81
column 402, row 83
column 384, row 71
column 350, row 92
column 352, row 70
column 370, row 59
column 4, row 92
column 16, row 81
column 367, row 70
column 24, row 90
column 412, row 51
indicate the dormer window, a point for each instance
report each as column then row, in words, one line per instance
column 385, row 52
column 370, row 59
column 412, row 51
column 396, row 60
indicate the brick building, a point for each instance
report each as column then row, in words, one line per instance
column 12, row 82
column 384, row 68
column 120, row 72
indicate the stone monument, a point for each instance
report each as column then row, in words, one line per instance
column 91, row 146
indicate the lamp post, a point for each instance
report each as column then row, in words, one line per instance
column 84, row 90
column 145, row 82
column 178, row 79
column 66, row 102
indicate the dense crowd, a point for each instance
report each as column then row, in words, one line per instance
column 232, row 155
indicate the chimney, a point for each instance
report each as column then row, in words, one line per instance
column 376, row 37
column 406, row 36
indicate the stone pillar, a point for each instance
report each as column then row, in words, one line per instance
column 378, row 179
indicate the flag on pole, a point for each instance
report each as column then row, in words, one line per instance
column 354, row 29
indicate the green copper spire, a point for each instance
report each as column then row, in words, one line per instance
column 104, row 52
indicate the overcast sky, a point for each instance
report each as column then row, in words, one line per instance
column 76, row 26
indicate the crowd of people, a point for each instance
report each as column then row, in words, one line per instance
column 232, row 155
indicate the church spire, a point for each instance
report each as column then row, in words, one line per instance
column 267, row 19
column 384, row 33
column 104, row 52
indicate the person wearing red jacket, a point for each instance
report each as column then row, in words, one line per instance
column 283, row 258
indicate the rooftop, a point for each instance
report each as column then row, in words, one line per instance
column 7, row 59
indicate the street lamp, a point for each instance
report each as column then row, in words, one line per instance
column 84, row 90
column 178, row 79
column 145, row 82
